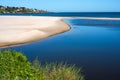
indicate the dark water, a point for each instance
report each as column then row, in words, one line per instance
column 74, row 14
column 93, row 45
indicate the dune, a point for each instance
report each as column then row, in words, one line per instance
column 15, row 30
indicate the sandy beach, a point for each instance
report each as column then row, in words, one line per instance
column 16, row 30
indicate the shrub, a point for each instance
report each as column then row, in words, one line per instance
column 15, row 66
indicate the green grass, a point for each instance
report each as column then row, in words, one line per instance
column 15, row 66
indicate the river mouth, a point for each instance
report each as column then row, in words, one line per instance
column 94, row 47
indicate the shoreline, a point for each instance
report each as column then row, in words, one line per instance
column 99, row 18
column 18, row 30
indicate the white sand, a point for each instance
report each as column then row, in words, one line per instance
column 99, row 18
column 22, row 29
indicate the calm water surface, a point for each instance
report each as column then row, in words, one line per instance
column 73, row 14
column 93, row 45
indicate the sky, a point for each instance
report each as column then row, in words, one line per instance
column 67, row 5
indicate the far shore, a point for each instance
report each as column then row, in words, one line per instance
column 16, row 30
column 99, row 18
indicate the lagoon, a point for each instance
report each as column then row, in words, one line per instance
column 93, row 45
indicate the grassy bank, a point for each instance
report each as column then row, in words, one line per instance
column 15, row 66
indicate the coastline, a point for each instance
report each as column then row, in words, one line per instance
column 16, row 30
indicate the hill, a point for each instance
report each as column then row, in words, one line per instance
column 19, row 10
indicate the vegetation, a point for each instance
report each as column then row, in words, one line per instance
column 15, row 66
column 7, row 10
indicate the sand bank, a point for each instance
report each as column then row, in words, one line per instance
column 99, row 18
column 24, row 29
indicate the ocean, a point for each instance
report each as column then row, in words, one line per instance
column 73, row 14
column 93, row 45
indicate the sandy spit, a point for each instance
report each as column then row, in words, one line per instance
column 15, row 30
column 99, row 18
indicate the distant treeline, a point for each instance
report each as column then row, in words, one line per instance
column 19, row 10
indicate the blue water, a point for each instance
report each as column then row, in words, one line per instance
column 93, row 45
column 74, row 14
